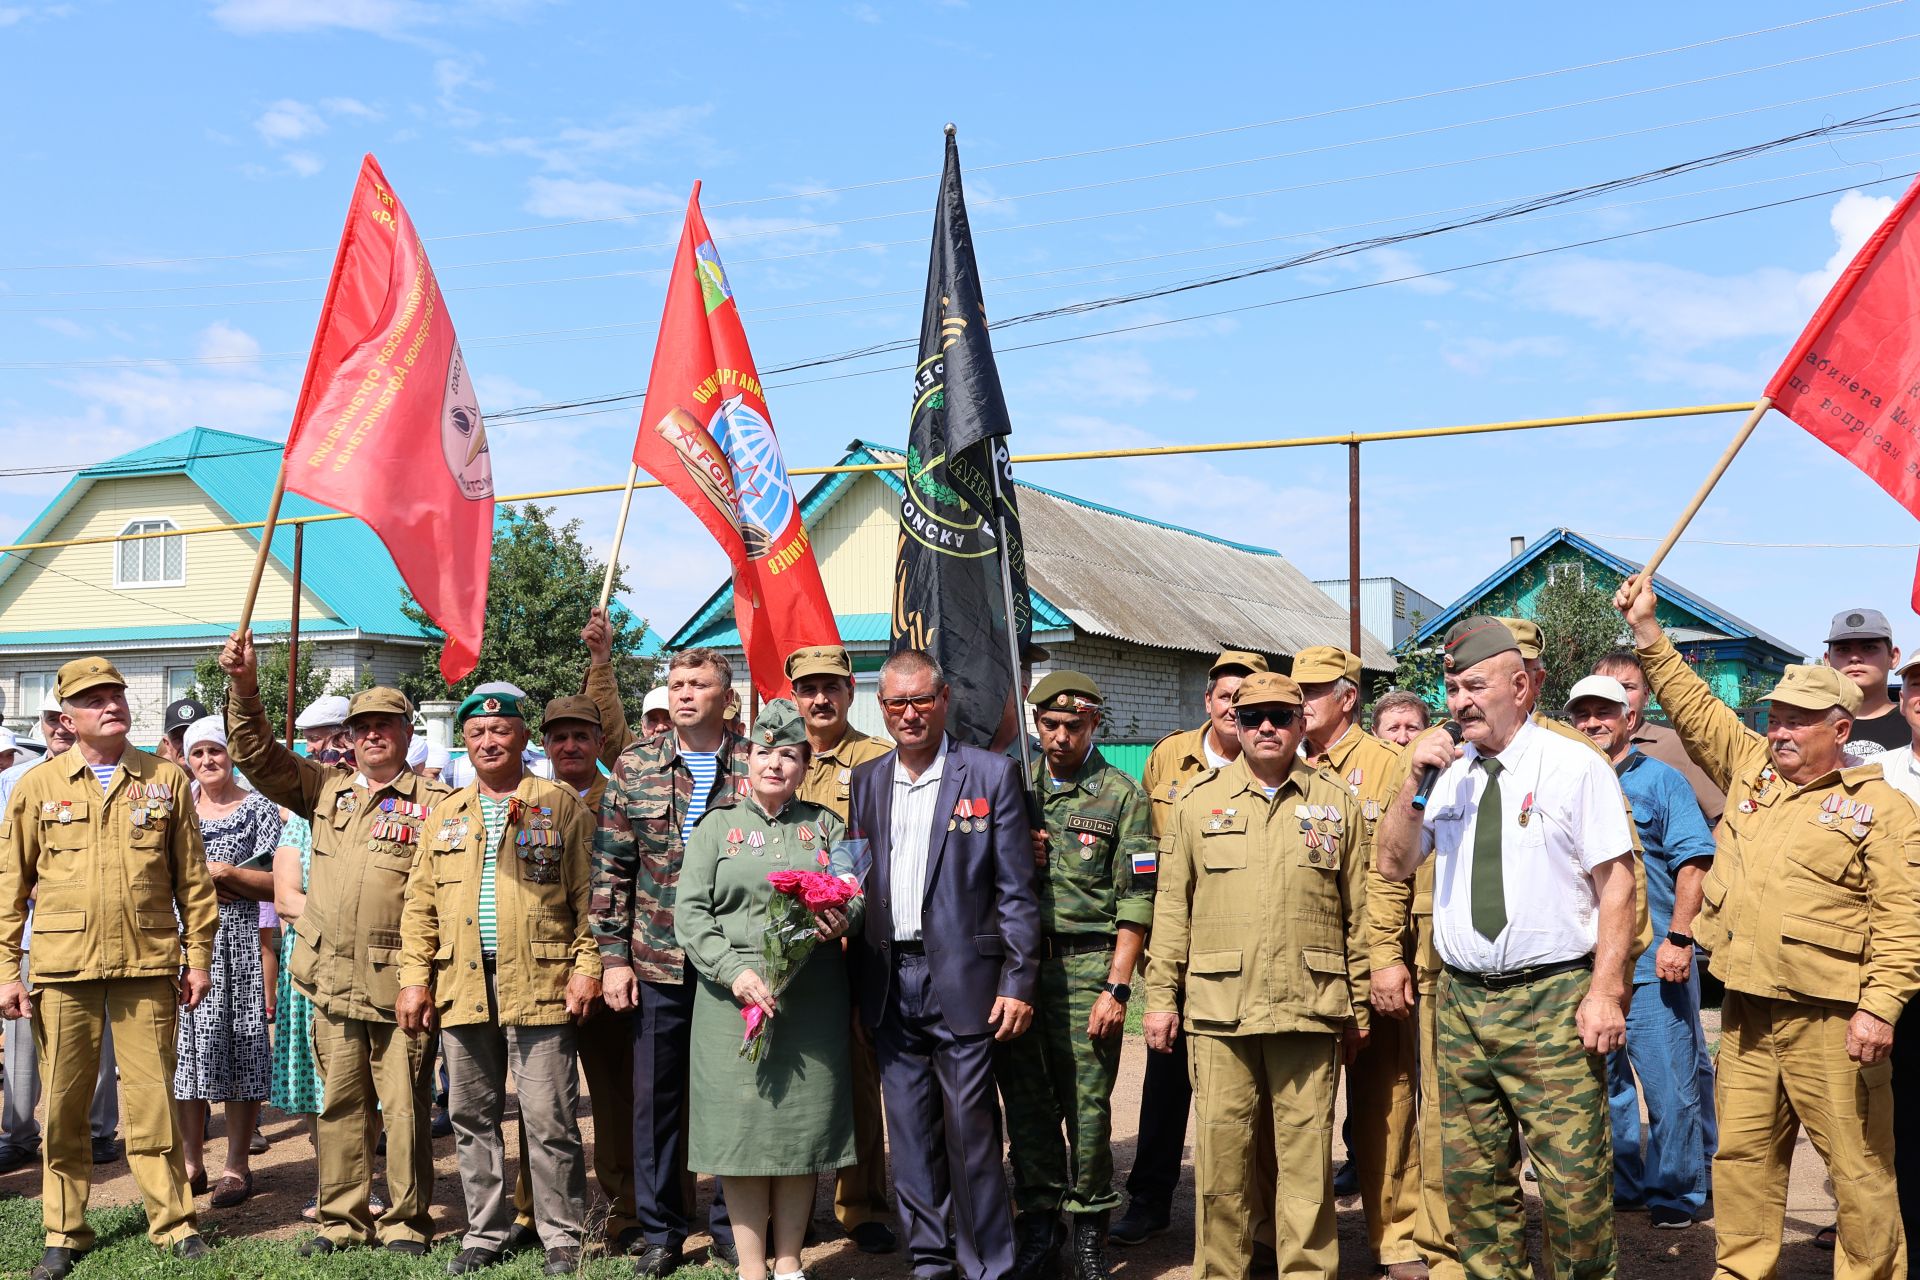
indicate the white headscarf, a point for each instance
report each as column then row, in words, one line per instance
column 207, row 730
column 417, row 752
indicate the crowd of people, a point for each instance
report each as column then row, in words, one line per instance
column 1493, row 930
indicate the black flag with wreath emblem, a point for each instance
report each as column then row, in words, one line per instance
column 948, row 597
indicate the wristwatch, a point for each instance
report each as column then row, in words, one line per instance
column 1118, row 990
column 1680, row 939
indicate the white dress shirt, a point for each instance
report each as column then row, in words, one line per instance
column 1901, row 770
column 1576, row 820
column 910, row 836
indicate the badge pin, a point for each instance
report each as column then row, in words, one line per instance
column 1859, row 830
column 756, row 838
column 1826, row 817
column 1086, row 855
column 1746, row 806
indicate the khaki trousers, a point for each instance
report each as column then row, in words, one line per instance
column 1381, row 1099
column 606, row 1060
column 1783, row 1064
column 1235, row 1079
column 363, row 1064
column 860, row 1190
column 69, row 1021
column 1433, row 1229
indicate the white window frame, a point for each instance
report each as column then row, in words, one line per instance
column 171, row 672
column 34, row 695
column 133, row 526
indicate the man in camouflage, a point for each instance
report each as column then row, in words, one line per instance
column 660, row 787
column 1097, row 851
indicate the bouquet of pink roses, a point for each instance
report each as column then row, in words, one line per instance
column 792, row 934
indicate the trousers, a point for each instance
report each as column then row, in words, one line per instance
column 606, row 1060
column 364, row 1065
column 19, row 1131
column 1382, row 1089
column 662, row 1186
column 1667, row 1051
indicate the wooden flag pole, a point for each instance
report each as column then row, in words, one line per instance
column 619, row 533
column 266, row 545
column 1760, row 408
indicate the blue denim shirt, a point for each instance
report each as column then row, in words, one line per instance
column 1673, row 832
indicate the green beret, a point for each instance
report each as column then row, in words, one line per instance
column 779, row 725
column 488, row 704
column 1472, row 641
column 1068, row 691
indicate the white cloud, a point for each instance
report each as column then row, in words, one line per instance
column 593, row 198
column 453, row 77
column 627, row 139
column 304, row 163
column 1853, row 218
column 1675, row 308
column 1107, row 378
column 15, row 14
column 863, row 13
column 497, row 392
column 228, row 345
column 64, row 327
column 1395, row 264
column 1221, row 218
column 288, row 121
column 352, row 107
column 376, row 17
column 1477, row 356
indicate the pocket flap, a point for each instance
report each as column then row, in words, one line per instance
column 445, row 952
column 989, row 944
column 384, row 939
column 1713, row 890
column 1214, row 962
column 60, row 921
column 1821, row 934
column 383, row 955
column 552, row 928
column 551, row 950
column 75, row 809
column 1320, row 960
column 150, row 920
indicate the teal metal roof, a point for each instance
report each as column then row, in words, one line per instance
column 309, row 628
column 345, row 564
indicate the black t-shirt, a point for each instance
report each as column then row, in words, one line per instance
column 1889, row 730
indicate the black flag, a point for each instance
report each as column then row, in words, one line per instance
column 959, row 526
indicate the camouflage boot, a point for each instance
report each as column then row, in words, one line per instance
column 1037, row 1238
column 1090, row 1246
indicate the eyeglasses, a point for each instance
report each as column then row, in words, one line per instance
column 918, row 701
column 1254, row 717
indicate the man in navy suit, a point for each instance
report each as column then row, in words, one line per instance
column 945, row 966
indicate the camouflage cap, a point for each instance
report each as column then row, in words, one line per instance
column 489, row 704
column 85, row 673
column 1323, row 664
column 1527, row 635
column 779, row 725
column 1815, row 689
column 819, row 660
column 574, row 707
column 733, row 706
column 379, row 700
column 1267, row 686
column 1236, row 662
column 1472, row 641
column 1068, row 691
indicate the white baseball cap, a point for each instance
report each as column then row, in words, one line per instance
column 7, row 741
column 51, row 707
column 1603, row 687
column 323, row 713
column 656, row 701
column 438, row 756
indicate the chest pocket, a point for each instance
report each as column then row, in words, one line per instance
column 1829, row 850
column 1223, row 841
column 63, row 845
column 449, row 863
column 652, row 823
column 1090, row 840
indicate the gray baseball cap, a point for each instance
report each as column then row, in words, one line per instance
column 1860, row 624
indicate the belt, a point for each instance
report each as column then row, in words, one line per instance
column 1073, row 944
column 913, row 948
column 489, row 960
column 1518, row 977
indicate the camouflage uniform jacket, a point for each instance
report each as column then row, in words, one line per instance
column 638, row 849
column 1098, row 831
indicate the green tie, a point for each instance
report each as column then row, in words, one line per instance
column 1489, row 887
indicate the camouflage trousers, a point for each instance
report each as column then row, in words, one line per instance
column 1057, row 1077
column 1508, row 1058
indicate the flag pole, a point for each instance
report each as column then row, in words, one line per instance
column 619, row 533
column 1760, row 408
column 266, row 545
column 1013, row 628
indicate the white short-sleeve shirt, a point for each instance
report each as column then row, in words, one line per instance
column 1576, row 819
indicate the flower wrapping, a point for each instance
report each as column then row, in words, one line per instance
column 791, row 936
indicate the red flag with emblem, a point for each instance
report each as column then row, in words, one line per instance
column 1853, row 378
column 706, row 434
column 387, row 427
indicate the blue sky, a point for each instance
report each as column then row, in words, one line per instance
column 178, row 174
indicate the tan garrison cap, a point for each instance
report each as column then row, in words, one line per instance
column 1323, row 664
column 379, row 700
column 1815, row 689
column 1236, row 662
column 1526, row 634
column 1068, row 691
column 1471, row 641
column 85, row 673
column 819, row 660
column 575, row 707
column 1267, row 686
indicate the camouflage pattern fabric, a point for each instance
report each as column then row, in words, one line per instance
column 1515, row 1055
column 1097, row 827
column 637, row 850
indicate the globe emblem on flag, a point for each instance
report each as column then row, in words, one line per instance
column 463, row 434
column 765, row 498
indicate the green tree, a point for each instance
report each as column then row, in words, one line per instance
column 542, row 583
column 1578, row 625
column 1419, row 671
column 210, row 682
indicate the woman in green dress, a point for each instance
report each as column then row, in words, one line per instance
column 766, row 1127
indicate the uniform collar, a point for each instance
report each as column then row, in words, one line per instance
column 1341, row 747
column 404, row 783
column 1516, row 750
column 1631, row 760
column 731, row 744
column 847, row 739
column 1043, row 780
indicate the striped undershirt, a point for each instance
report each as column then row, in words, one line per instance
column 704, row 766
column 494, row 814
column 104, row 772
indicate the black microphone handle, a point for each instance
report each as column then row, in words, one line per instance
column 1430, row 774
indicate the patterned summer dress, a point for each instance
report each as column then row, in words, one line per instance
column 224, row 1054
column 296, row 1075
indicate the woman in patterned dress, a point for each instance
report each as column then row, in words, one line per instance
column 223, row 1051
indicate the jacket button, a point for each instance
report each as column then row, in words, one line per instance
column 473, row 964
column 469, row 919
column 479, row 1008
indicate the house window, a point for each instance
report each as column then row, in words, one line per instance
column 1568, row 570
column 35, row 688
column 179, row 681
column 1399, row 603
column 150, row 562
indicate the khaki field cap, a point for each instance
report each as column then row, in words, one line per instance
column 1815, row 689
column 1472, row 641
column 85, row 673
column 1267, row 686
column 1323, row 664
column 576, row 707
column 1235, row 662
column 780, row 725
column 1067, row 691
column 1526, row 634
column 379, row 700
column 819, row 660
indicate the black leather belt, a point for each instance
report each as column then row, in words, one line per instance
column 1518, row 977
column 914, row 948
column 1073, row 944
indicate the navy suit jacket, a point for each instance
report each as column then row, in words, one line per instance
column 980, row 914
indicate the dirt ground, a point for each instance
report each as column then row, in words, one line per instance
column 283, row 1181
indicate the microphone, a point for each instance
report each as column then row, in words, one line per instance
column 1430, row 774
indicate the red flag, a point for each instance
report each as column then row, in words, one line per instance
column 707, row 436
column 387, row 427
column 1853, row 379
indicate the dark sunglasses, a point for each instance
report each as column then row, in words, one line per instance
column 922, row 702
column 1254, row 717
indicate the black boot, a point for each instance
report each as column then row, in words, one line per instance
column 1089, row 1246
column 1036, row 1240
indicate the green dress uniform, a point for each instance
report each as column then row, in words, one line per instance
column 792, row 1111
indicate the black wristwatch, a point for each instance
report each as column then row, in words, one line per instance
column 1118, row 990
column 1681, row 939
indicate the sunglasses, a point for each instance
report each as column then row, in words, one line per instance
column 918, row 701
column 1254, row 717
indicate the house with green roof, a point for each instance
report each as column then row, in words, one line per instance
column 1140, row 605
column 157, row 606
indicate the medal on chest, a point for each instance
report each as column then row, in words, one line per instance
column 734, row 837
column 1219, row 819
column 757, row 841
column 1354, row 780
column 1526, row 809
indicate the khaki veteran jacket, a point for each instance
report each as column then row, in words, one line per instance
column 1814, row 893
column 1175, row 760
column 829, row 780
column 542, row 878
column 346, row 954
column 1261, row 910
column 106, row 871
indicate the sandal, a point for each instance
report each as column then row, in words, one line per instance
column 197, row 1183
column 1827, row 1237
column 233, row 1189
column 310, row 1211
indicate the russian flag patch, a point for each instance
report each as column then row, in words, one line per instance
column 1146, row 862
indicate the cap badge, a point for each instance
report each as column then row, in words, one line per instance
column 491, row 706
